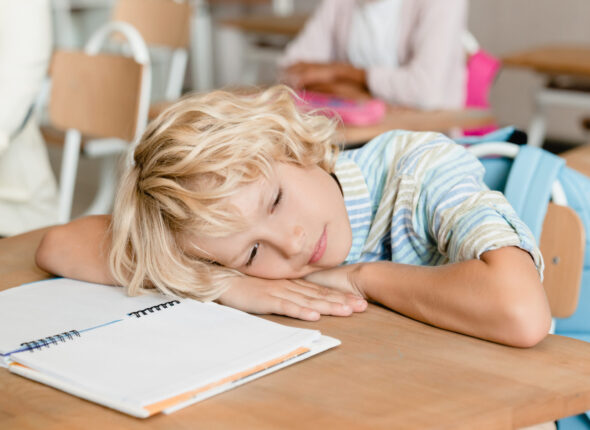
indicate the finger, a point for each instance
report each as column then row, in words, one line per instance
column 320, row 305
column 293, row 310
column 319, row 292
column 314, row 291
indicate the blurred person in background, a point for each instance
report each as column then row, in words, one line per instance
column 28, row 191
column 405, row 52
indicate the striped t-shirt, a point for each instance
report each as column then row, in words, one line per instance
column 419, row 198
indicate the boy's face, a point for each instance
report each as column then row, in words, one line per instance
column 298, row 224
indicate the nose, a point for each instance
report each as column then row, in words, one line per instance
column 291, row 242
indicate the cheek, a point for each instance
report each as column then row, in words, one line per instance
column 275, row 269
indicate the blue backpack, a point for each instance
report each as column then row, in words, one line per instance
column 527, row 181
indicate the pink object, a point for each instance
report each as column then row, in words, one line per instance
column 482, row 69
column 352, row 112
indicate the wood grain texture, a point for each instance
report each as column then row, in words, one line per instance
column 562, row 245
column 417, row 120
column 553, row 60
column 95, row 94
column 579, row 159
column 398, row 118
column 289, row 25
column 160, row 22
column 389, row 372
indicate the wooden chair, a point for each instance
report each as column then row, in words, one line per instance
column 164, row 26
column 105, row 97
column 562, row 241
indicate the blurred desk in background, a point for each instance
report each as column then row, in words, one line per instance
column 578, row 159
column 445, row 121
column 566, row 69
column 288, row 25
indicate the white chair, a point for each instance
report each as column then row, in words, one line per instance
column 103, row 96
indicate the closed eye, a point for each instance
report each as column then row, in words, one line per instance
column 252, row 254
column 254, row 251
column 277, row 199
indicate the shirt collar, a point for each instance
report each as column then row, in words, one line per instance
column 358, row 204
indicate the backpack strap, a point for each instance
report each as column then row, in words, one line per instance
column 528, row 188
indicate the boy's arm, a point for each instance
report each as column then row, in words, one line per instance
column 498, row 298
column 79, row 250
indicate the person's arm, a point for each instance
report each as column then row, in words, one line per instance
column 332, row 76
column 490, row 287
column 80, row 249
column 498, row 297
column 434, row 75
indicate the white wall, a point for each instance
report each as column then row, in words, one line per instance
column 505, row 26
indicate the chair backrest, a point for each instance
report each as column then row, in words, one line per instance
column 160, row 22
column 99, row 95
column 102, row 96
column 562, row 246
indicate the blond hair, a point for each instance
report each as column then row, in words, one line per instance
column 190, row 159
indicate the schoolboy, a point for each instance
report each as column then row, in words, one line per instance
column 243, row 199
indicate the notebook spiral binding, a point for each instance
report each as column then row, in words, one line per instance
column 152, row 309
column 50, row 340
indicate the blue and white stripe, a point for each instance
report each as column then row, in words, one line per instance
column 419, row 198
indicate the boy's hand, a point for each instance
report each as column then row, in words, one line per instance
column 294, row 298
column 341, row 278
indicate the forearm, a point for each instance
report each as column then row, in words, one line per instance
column 493, row 298
column 78, row 250
column 348, row 73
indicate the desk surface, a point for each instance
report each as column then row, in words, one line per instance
column 417, row 120
column 578, row 159
column 400, row 118
column 289, row 25
column 557, row 60
column 389, row 371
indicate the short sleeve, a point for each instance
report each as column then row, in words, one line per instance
column 462, row 215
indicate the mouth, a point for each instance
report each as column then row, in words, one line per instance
column 320, row 248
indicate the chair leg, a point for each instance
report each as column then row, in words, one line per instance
column 538, row 126
column 202, row 55
column 107, row 186
column 69, row 168
column 176, row 74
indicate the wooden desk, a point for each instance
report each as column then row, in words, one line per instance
column 412, row 119
column 395, row 118
column 390, row 371
column 553, row 60
column 289, row 25
column 566, row 69
column 578, row 159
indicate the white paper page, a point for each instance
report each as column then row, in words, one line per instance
column 147, row 359
column 37, row 310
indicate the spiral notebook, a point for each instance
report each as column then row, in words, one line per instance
column 140, row 355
